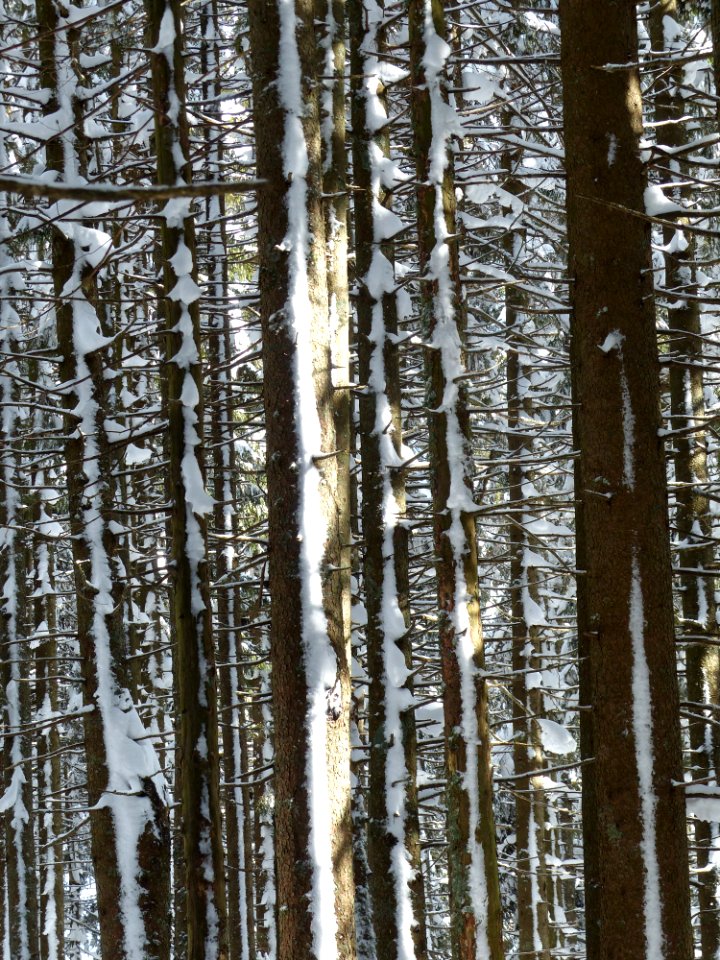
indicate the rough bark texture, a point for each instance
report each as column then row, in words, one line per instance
column 376, row 473
column 693, row 521
column 628, row 681
column 466, row 915
column 332, row 13
column 197, row 756
column 153, row 853
column 290, row 680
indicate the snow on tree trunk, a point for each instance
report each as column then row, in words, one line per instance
column 475, row 911
column 692, row 512
column 126, row 789
column 335, row 202
column 636, row 858
column 50, row 821
column 225, row 490
column 309, row 654
column 393, row 847
column 16, row 803
column 197, row 750
column 534, row 889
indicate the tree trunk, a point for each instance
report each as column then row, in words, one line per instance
column 636, row 875
column 17, row 801
column 689, row 451
column 335, row 202
column 475, row 909
column 50, row 821
column 534, row 886
column 198, row 751
column 129, row 831
column 393, row 847
column 309, row 654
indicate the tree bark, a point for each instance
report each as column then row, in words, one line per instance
column 309, row 654
column 129, row 831
column 636, row 873
column 475, row 909
column 197, row 756
column 393, row 845
column 693, row 520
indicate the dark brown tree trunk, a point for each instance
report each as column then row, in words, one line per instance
column 393, row 841
column 197, row 750
column 633, row 814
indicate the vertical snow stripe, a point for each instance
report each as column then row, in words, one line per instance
column 129, row 758
column 644, row 753
column 446, row 339
column 320, row 662
column 380, row 282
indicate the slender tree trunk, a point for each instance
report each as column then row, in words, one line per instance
column 17, row 801
column 692, row 516
column 18, row 864
column 266, row 890
column 534, row 889
column 227, row 604
column 333, row 157
column 633, row 814
column 309, row 654
column 198, row 751
column 50, row 821
column 475, row 909
column 129, row 833
column 393, row 847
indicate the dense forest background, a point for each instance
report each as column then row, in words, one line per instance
column 359, row 480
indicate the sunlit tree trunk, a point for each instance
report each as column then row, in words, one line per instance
column 309, row 653
column 331, row 51
column 475, row 910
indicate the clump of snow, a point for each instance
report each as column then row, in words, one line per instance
column 556, row 738
column 656, row 203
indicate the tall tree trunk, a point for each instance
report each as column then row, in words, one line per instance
column 309, row 654
column 393, row 847
column 335, row 202
column 475, row 909
column 50, row 821
column 636, row 875
column 534, row 890
column 224, row 464
column 689, row 451
column 17, row 801
column 534, row 887
column 198, row 750
column 129, row 832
